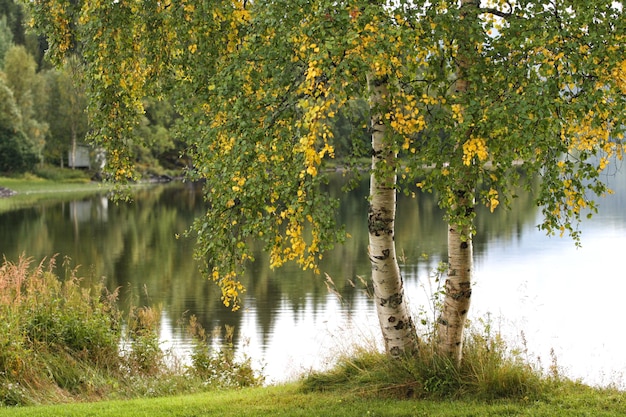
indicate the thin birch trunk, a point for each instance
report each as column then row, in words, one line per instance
column 393, row 314
column 73, row 129
column 458, row 292
column 458, row 286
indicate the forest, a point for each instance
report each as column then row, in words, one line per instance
column 44, row 117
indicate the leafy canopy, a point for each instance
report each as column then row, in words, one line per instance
column 475, row 91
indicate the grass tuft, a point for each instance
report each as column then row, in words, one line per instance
column 489, row 371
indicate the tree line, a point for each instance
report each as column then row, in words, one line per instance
column 43, row 108
column 43, row 115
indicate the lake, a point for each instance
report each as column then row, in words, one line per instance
column 539, row 291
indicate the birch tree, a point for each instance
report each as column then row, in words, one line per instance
column 463, row 95
column 528, row 78
column 393, row 314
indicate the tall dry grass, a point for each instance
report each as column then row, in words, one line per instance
column 54, row 330
column 61, row 340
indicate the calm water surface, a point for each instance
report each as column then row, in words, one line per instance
column 539, row 291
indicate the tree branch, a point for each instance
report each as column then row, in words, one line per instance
column 496, row 12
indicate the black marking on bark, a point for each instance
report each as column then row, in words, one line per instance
column 464, row 245
column 464, row 312
column 458, row 343
column 442, row 321
column 393, row 301
column 395, row 351
column 461, row 294
column 459, row 291
column 384, row 256
column 401, row 325
column 391, row 319
column 376, row 154
column 379, row 221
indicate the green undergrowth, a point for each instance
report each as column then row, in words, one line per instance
column 54, row 173
column 490, row 370
column 62, row 340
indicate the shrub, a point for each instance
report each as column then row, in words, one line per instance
column 17, row 154
column 53, row 173
column 144, row 355
column 60, row 341
column 55, row 333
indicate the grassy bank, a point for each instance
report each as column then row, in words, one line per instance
column 290, row 400
column 59, row 345
column 31, row 190
column 36, row 185
column 60, row 342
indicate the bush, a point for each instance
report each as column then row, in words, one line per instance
column 53, row 173
column 219, row 368
column 56, row 333
column 144, row 355
column 17, row 154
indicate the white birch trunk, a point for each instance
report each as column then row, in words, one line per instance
column 458, row 292
column 458, row 286
column 393, row 314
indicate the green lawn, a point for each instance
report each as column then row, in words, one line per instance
column 289, row 401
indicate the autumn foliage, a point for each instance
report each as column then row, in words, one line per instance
column 479, row 94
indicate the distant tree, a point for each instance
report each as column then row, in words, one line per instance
column 20, row 71
column 14, row 13
column 10, row 116
column 66, row 110
column 157, row 139
column 29, row 92
column 16, row 151
column 6, row 39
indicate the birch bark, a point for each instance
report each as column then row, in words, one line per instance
column 458, row 285
column 458, row 292
column 393, row 314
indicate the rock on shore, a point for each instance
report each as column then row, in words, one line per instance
column 5, row 192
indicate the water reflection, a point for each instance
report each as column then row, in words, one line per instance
column 545, row 287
